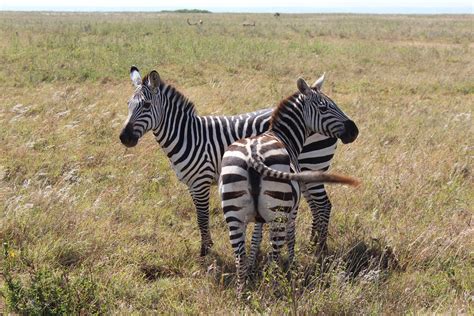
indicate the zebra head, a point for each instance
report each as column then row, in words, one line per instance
column 323, row 116
column 142, row 107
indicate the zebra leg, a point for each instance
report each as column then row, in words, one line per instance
column 277, row 237
column 255, row 245
column 201, row 202
column 320, row 205
column 237, row 239
column 291, row 236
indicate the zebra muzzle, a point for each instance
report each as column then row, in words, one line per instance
column 128, row 137
column 350, row 132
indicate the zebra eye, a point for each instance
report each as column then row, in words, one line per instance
column 323, row 108
column 146, row 105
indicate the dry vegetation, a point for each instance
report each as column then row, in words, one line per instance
column 89, row 226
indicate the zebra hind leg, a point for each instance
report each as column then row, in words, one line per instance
column 237, row 239
column 255, row 246
column 201, row 202
column 291, row 236
column 277, row 237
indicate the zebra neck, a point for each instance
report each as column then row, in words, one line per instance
column 293, row 147
column 177, row 119
column 289, row 128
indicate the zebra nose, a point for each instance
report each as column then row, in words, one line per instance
column 350, row 132
column 127, row 136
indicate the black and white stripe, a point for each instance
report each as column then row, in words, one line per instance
column 255, row 182
column 195, row 144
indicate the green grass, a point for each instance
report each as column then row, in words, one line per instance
column 90, row 226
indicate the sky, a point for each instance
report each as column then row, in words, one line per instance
column 297, row 6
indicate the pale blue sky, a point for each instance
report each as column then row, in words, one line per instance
column 371, row 6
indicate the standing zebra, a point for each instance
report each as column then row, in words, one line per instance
column 195, row 145
column 251, row 191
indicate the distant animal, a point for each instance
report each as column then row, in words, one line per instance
column 196, row 23
column 248, row 24
column 256, row 183
column 195, row 145
column 276, row 14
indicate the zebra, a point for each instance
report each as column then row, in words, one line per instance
column 195, row 144
column 255, row 183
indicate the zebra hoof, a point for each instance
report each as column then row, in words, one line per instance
column 204, row 251
column 321, row 250
column 206, row 248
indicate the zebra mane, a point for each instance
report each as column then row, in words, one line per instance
column 281, row 107
column 175, row 96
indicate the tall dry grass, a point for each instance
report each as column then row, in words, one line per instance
column 91, row 227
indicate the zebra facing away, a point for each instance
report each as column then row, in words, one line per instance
column 195, row 145
column 255, row 182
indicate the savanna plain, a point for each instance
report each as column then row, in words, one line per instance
column 88, row 226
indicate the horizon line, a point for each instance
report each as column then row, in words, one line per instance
column 287, row 9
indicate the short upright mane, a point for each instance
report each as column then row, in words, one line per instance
column 281, row 106
column 175, row 95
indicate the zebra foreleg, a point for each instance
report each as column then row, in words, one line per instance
column 201, row 202
column 320, row 205
column 320, row 233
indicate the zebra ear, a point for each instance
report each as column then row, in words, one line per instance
column 135, row 76
column 318, row 84
column 303, row 86
column 154, row 79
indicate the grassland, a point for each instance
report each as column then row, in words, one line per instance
column 89, row 226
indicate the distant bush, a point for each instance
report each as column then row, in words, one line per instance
column 186, row 11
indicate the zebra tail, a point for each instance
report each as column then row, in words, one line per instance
column 304, row 176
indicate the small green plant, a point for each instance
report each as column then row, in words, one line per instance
column 34, row 291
